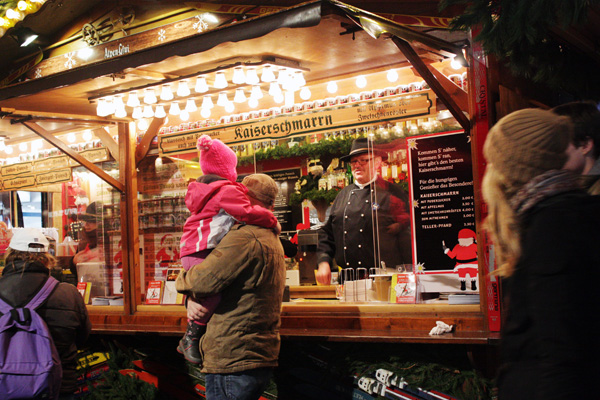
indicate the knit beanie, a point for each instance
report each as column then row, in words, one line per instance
column 527, row 143
column 217, row 158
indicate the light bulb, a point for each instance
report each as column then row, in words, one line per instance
column 137, row 113
column 2, row 145
column 278, row 98
column 238, row 76
column 101, row 108
column 87, row 135
column 239, row 97
column 392, row 75
column 305, row 93
column 160, row 112
column 183, row 89
column 205, row 112
column 274, row 89
column 332, row 87
column 133, row 100
column 148, row 112
column 252, row 76
column 229, row 107
column 23, row 147
column 150, row 96
column 118, row 101
column 283, row 76
column 109, row 106
column 37, row 144
column 201, row 86
column 142, row 124
column 207, row 103
column 222, row 100
column 184, row 115
column 174, row 109
column 252, row 102
column 361, row 81
column 289, row 98
column 120, row 112
column 299, row 80
column 71, row 137
column 166, row 93
column 256, row 93
column 190, row 106
column 8, row 149
column 267, row 74
column 220, row 81
column 455, row 64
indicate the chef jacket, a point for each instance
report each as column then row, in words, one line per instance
column 350, row 236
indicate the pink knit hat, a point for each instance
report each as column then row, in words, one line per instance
column 216, row 158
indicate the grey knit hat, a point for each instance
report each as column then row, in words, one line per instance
column 527, row 143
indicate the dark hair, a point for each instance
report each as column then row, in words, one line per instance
column 586, row 119
column 45, row 258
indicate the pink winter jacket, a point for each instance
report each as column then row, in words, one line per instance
column 215, row 208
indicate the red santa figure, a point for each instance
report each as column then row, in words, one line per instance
column 465, row 254
column 169, row 251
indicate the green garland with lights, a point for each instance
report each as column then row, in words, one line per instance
column 314, row 195
column 522, row 33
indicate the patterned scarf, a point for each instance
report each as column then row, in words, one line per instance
column 548, row 184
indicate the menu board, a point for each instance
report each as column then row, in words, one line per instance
column 441, row 190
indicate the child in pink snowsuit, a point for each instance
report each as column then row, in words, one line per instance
column 216, row 202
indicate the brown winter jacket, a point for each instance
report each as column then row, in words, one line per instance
column 64, row 312
column 247, row 268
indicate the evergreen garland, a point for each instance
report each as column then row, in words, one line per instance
column 314, row 195
column 520, row 33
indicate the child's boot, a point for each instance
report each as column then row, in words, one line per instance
column 189, row 344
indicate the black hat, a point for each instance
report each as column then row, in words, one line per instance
column 362, row 146
column 92, row 212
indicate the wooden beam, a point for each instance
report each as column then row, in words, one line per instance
column 433, row 83
column 108, row 142
column 32, row 126
column 458, row 94
column 144, row 146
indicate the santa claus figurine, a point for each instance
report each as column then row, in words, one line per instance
column 465, row 254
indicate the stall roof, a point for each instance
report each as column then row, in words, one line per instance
column 325, row 37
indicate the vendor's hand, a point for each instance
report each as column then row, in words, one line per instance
column 324, row 273
column 393, row 229
column 195, row 311
column 87, row 255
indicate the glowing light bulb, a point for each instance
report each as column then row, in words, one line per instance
column 166, row 93
column 274, row 89
column 190, row 106
column 252, row 102
column 278, row 98
column 252, row 76
column 205, row 112
column 267, row 74
column 87, row 135
column 133, row 99
column 455, row 64
column 222, row 100
column 160, row 112
column 201, row 86
column 256, row 93
column 289, row 98
column 207, row 103
column 332, row 87
column 150, row 96
column 183, row 89
column 238, row 76
column 299, row 79
column 8, row 149
column 142, row 124
column 148, row 112
column 174, row 109
column 361, row 81
column 239, row 97
column 230, row 107
column 137, row 113
column 305, row 93
column 23, row 147
column 184, row 115
column 71, row 137
column 392, row 75
column 120, row 112
column 220, row 81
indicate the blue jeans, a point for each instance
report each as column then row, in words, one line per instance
column 245, row 385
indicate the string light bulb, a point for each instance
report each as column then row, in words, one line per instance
column 166, row 93
column 174, row 109
column 133, row 99
column 201, row 85
column 160, row 112
column 392, row 75
column 148, row 112
column 205, row 112
column 137, row 113
column 256, row 92
column 267, row 74
column 191, row 106
column 183, row 90
column 361, row 81
column 252, row 76
column 230, row 107
column 332, row 87
column 239, row 97
column 150, row 96
column 207, row 103
column 222, row 100
column 220, row 81
column 305, row 93
column 87, row 135
column 238, row 76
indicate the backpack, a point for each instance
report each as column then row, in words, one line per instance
column 29, row 363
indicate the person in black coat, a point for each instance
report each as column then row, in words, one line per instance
column 27, row 267
column 544, row 228
column 369, row 221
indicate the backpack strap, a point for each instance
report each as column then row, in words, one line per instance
column 42, row 294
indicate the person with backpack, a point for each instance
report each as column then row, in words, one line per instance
column 26, row 292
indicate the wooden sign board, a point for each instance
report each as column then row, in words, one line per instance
column 317, row 120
